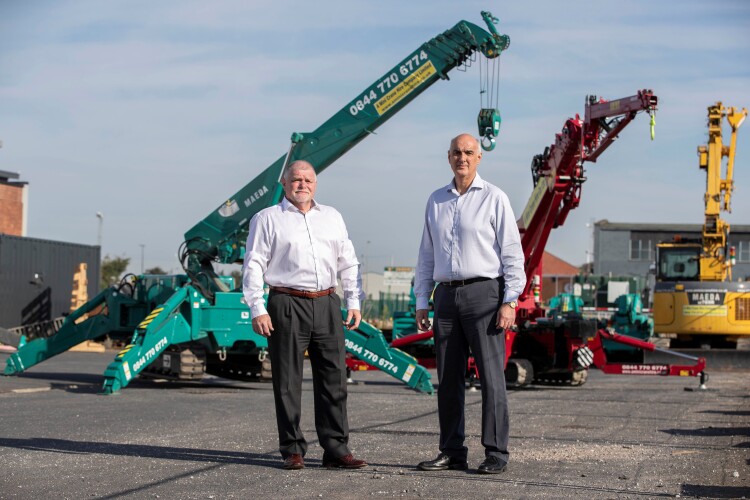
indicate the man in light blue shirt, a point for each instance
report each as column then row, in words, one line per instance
column 471, row 248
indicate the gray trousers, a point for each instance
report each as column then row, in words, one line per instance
column 314, row 325
column 465, row 320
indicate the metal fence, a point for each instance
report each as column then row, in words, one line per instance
column 385, row 305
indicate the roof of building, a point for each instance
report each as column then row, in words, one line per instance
column 4, row 174
column 606, row 225
column 555, row 266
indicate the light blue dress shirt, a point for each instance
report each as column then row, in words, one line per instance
column 469, row 236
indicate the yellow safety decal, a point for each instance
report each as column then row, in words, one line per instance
column 405, row 354
column 533, row 204
column 154, row 313
column 124, row 351
column 684, row 373
column 150, row 317
column 409, row 372
column 405, row 87
column 704, row 310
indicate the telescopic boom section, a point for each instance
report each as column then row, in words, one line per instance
column 714, row 260
column 221, row 236
column 558, row 172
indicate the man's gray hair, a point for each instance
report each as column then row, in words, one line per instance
column 297, row 165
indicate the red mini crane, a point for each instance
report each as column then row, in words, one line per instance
column 561, row 349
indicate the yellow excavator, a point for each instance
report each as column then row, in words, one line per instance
column 695, row 300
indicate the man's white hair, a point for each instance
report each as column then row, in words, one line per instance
column 297, row 165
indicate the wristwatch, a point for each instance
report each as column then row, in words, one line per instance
column 513, row 304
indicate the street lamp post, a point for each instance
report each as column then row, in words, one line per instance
column 99, row 216
column 142, row 253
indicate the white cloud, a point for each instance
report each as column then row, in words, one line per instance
column 155, row 112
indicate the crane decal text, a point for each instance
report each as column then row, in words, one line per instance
column 255, row 196
column 396, row 85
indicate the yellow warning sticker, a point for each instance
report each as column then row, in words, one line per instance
column 704, row 310
column 405, row 88
column 408, row 373
column 533, row 204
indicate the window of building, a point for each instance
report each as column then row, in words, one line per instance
column 640, row 250
column 743, row 251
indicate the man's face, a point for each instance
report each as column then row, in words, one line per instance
column 300, row 185
column 464, row 156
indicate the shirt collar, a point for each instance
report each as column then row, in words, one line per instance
column 477, row 183
column 287, row 205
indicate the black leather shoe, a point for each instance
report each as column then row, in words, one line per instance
column 444, row 462
column 492, row 465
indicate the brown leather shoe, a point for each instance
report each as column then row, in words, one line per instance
column 294, row 462
column 345, row 462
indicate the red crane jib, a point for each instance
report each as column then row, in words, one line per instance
column 558, row 174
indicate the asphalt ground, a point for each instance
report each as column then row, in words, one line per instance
column 615, row 437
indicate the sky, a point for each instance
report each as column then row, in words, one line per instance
column 154, row 113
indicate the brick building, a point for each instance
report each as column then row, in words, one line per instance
column 13, row 204
column 559, row 276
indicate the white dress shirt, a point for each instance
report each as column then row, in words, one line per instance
column 304, row 251
column 469, row 236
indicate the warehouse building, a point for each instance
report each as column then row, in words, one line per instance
column 629, row 249
column 40, row 280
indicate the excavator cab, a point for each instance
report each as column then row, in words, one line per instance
column 678, row 262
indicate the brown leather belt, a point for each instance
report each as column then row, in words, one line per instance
column 303, row 293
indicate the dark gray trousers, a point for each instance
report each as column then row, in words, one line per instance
column 314, row 325
column 465, row 319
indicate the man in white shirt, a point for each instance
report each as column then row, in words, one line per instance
column 472, row 248
column 298, row 247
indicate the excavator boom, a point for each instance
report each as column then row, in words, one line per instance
column 695, row 300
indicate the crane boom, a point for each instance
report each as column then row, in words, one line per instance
column 714, row 263
column 558, row 172
column 221, row 235
column 182, row 326
column 696, row 303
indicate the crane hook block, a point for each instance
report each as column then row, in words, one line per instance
column 489, row 127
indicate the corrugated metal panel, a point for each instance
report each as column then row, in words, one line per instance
column 36, row 277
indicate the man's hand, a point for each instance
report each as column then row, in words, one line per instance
column 506, row 317
column 262, row 325
column 423, row 320
column 353, row 318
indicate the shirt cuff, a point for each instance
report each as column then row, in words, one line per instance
column 423, row 303
column 510, row 297
column 353, row 304
column 258, row 310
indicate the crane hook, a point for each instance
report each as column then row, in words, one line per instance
column 488, row 142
